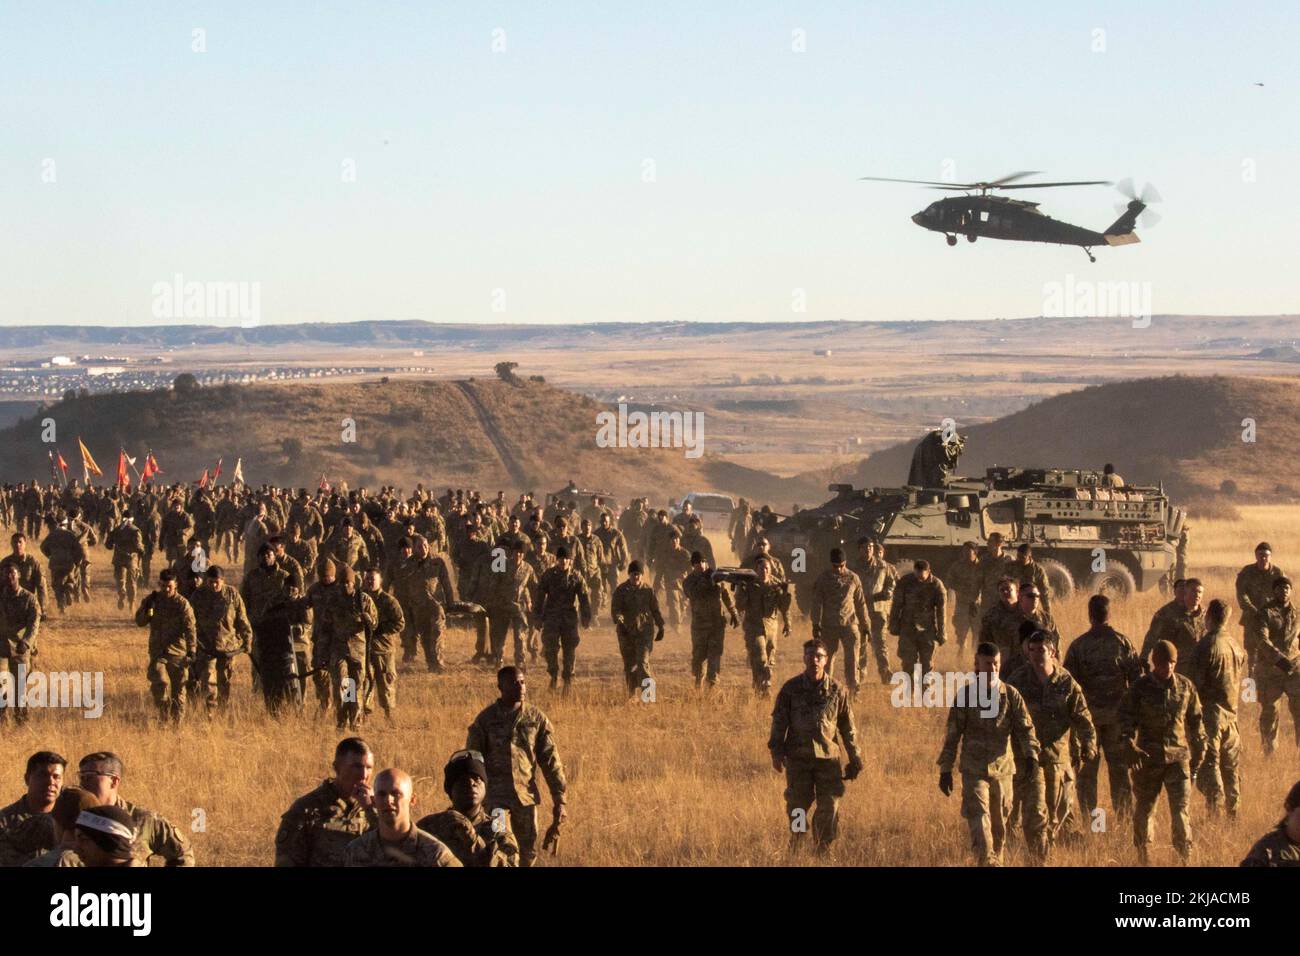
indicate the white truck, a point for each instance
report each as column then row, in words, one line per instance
column 714, row 510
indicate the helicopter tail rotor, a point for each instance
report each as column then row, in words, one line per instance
column 1144, row 217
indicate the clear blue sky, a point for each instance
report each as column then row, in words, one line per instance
column 522, row 170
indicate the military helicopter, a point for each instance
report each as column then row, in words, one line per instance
column 999, row 217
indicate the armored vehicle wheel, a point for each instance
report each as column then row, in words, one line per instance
column 952, row 240
column 1059, row 578
column 970, row 237
column 1115, row 582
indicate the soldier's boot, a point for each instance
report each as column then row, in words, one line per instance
column 555, row 682
column 566, row 686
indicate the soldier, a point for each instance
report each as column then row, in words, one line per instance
column 318, row 827
column 68, row 806
column 26, row 827
column 395, row 840
column 1000, row 621
column 994, row 566
column 507, row 597
column 311, row 642
column 963, row 576
column 1104, row 663
column 558, row 591
column 1281, row 846
column 223, row 631
column 385, row 642
column 429, row 586
column 839, row 616
column 694, row 539
column 1277, row 670
column 615, row 554
column 352, row 622
column 127, row 544
column 1160, row 722
column 104, row 837
column 1033, row 618
column 632, row 525
column 637, row 624
column 100, row 774
column 348, row 548
column 1028, row 571
column 709, row 600
column 174, row 530
column 917, row 617
column 764, row 606
column 516, row 740
column 189, row 568
column 172, row 644
column 146, row 519
column 1109, row 479
column 20, row 623
column 1182, row 624
column 879, row 579
column 302, row 550
column 811, row 722
column 1057, row 707
column 269, row 598
column 993, row 741
column 67, row 556
column 477, row 838
column 31, row 577
column 1219, row 668
column 763, row 549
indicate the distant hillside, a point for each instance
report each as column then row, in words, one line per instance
column 1184, row 431
column 486, row 434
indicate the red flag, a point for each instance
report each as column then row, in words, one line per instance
column 324, row 485
column 63, row 465
column 217, row 474
column 203, row 482
column 151, row 463
column 122, row 479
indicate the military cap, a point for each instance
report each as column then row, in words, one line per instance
column 697, row 557
column 636, row 568
column 1165, row 651
column 561, row 553
column 1281, row 581
column 837, row 556
column 463, row 762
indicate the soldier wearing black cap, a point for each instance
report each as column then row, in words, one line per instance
column 637, row 624
column 475, row 836
column 561, row 599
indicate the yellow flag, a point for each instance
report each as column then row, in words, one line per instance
column 87, row 460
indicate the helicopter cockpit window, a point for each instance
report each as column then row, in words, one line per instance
column 984, row 215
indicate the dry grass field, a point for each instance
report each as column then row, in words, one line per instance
column 684, row 781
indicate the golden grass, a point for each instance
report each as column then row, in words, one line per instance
column 683, row 781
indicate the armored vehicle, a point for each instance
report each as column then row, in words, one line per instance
column 1085, row 534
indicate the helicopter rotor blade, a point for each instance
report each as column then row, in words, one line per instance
column 919, row 182
column 1125, row 188
column 1150, row 194
column 1013, row 177
column 1089, row 182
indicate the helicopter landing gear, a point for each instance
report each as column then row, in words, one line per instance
column 1091, row 257
column 970, row 237
column 952, row 240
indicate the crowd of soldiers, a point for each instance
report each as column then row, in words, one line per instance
column 335, row 585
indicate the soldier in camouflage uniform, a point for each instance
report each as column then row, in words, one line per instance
column 1058, row 709
column 992, row 744
column 764, row 606
column 637, row 624
column 1001, row 620
column 839, row 616
column 1281, row 846
column 516, row 741
column 812, row 723
column 66, row 555
column 1105, row 665
column 1277, row 664
column 348, row 548
column 879, row 579
column 100, row 775
column 1033, row 618
column 270, row 598
column 31, row 576
column 468, row 830
column 963, row 576
column 385, row 642
column 507, row 598
column 1182, row 625
column 561, row 599
column 995, row 565
column 352, row 621
column 428, row 584
column 615, row 554
column 1160, row 722
column 318, row 827
column 26, row 828
column 395, row 840
column 175, row 530
column 917, row 617
column 127, row 544
column 311, row 640
column 20, row 623
column 223, row 632
column 1254, row 590
column 172, row 645
column 711, row 610
column 1219, row 668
